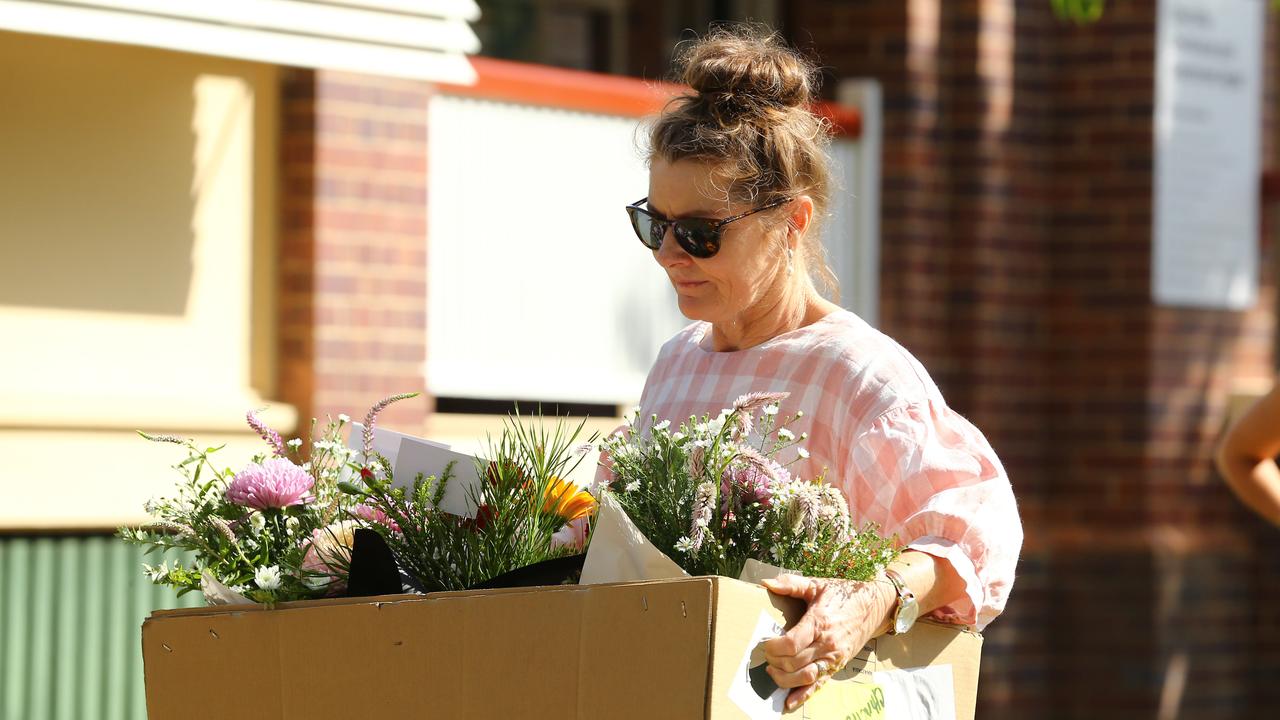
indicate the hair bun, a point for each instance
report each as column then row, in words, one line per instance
column 746, row 65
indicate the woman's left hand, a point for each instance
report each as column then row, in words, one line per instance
column 842, row 616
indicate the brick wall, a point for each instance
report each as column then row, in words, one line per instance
column 353, row 250
column 1016, row 251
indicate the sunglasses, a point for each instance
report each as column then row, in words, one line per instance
column 700, row 237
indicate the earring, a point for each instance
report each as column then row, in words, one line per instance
column 790, row 257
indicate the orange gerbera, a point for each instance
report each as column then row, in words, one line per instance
column 566, row 500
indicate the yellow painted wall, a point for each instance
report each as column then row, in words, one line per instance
column 137, row 240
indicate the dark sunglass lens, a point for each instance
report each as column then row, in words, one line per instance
column 698, row 237
column 645, row 228
column 656, row 231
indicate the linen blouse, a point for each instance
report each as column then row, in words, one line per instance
column 878, row 428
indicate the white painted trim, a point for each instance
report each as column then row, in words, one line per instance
column 239, row 43
column 202, row 37
column 466, row 9
column 294, row 17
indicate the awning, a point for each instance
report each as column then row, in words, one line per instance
column 418, row 39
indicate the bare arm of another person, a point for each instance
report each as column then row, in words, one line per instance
column 844, row 615
column 1247, row 454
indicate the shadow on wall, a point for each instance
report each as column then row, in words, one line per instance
column 98, row 180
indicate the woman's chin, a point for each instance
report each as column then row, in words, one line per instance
column 695, row 308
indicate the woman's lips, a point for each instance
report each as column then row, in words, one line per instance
column 688, row 284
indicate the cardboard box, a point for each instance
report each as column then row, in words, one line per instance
column 665, row 649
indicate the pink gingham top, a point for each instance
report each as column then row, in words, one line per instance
column 880, row 429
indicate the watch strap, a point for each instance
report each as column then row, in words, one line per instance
column 905, row 597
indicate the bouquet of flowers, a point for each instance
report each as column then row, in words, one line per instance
column 710, row 498
column 277, row 529
column 525, row 511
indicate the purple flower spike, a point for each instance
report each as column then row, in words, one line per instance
column 270, row 436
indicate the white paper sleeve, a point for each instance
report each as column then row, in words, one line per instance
column 619, row 552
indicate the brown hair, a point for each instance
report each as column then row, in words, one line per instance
column 749, row 117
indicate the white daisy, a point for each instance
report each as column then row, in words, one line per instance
column 267, row 578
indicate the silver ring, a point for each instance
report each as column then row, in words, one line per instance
column 822, row 667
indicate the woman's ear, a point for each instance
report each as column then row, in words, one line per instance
column 799, row 218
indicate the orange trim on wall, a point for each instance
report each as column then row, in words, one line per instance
column 566, row 89
column 845, row 121
column 596, row 92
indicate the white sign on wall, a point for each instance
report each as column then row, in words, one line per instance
column 1207, row 152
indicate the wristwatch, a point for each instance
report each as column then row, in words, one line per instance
column 904, row 616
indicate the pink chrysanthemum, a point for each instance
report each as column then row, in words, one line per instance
column 751, row 479
column 746, row 484
column 276, row 483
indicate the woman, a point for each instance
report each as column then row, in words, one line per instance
column 738, row 181
column 1246, row 457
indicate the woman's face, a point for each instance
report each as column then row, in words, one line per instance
column 749, row 270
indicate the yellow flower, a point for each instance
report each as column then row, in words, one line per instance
column 566, row 500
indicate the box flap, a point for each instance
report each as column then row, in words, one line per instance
column 741, row 612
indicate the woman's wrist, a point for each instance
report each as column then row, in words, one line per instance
column 887, row 601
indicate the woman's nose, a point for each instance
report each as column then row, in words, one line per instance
column 669, row 252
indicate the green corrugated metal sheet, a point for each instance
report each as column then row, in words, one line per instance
column 71, row 611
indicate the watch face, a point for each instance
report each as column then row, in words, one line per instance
column 906, row 617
